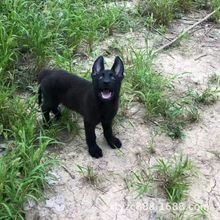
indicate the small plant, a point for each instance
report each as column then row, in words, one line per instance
column 141, row 181
column 185, row 37
column 162, row 29
column 196, row 212
column 68, row 121
column 176, row 177
column 162, row 11
column 6, row 107
column 202, row 4
column 209, row 5
column 207, row 97
column 215, row 4
column 184, row 6
column 151, row 147
column 150, row 22
column 214, row 79
column 175, row 131
column 88, row 174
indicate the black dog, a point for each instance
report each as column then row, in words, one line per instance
column 96, row 101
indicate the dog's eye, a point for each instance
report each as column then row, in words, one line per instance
column 112, row 76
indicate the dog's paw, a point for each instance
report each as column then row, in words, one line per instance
column 95, row 152
column 115, row 143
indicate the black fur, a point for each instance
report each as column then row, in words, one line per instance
column 96, row 101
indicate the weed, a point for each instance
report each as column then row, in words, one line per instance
column 151, row 147
column 207, row 97
column 184, row 6
column 68, row 121
column 185, row 37
column 24, row 167
column 162, row 29
column 88, row 174
column 129, row 21
column 162, row 11
column 215, row 4
column 209, row 5
column 149, row 86
column 202, row 4
column 6, row 107
column 202, row 212
column 150, row 22
column 176, row 177
column 214, row 79
column 142, row 182
column 154, row 91
column 199, row 212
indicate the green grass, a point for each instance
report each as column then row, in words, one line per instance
column 151, row 145
column 50, row 30
column 163, row 12
column 214, row 5
column 88, row 174
column 64, row 129
column 208, row 96
column 157, row 93
column 141, row 181
column 214, row 79
column 196, row 212
column 24, row 167
column 209, row 5
column 175, row 176
column 6, row 107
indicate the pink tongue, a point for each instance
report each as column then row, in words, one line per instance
column 106, row 94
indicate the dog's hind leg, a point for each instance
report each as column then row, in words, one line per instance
column 46, row 115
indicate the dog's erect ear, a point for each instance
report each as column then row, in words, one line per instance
column 118, row 67
column 98, row 65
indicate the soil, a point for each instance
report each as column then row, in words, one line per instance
column 72, row 197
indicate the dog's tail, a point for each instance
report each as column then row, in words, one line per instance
column 39, row 96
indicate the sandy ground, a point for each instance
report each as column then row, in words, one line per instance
column 71, row 197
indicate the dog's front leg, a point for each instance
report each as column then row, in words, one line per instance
column 110, row 138
column 94, row 149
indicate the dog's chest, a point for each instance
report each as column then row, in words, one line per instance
column 108, row 112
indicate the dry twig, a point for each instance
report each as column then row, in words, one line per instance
column 186, row 31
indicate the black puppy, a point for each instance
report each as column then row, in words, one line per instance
column 96, row 101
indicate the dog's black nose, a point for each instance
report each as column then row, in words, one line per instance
column 106, row 81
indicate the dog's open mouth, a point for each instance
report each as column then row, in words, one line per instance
column 106, row 94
